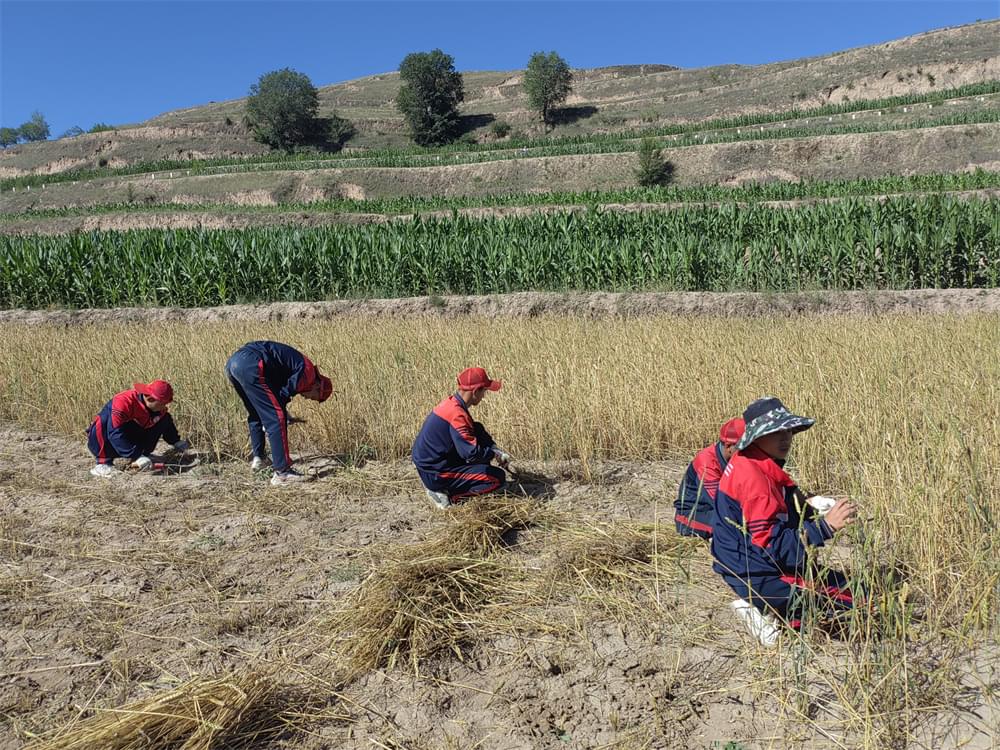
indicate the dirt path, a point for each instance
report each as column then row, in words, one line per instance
column 533, row 304
column 223, row 218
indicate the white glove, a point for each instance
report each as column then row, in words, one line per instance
column 142, row 463
column 181, row 446
column 503, row 458
column 821, row 503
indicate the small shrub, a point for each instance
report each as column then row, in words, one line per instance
column 652, row 169
column 500, row 129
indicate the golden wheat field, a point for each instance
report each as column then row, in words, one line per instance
column 351, row 614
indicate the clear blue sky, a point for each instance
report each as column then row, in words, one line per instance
column 81, row 62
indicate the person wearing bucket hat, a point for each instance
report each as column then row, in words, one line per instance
column 453, row 453
column 695, row 501
column 266, row 375
column 130, row 425
column 760, row 532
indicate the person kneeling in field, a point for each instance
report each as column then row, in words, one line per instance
column 266, row 375
column 760, row 533
column 130, row 425
column 695, row 502
column 452, row 452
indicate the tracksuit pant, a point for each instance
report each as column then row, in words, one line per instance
column 467, row 480
column 145, row 440
column 790, row 595
column 265, row 413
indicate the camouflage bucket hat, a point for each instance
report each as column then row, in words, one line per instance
column 767, row 415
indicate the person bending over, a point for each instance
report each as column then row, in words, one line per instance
column 266, row 375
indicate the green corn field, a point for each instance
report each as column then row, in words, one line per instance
column 978, row 179
column 901, row 243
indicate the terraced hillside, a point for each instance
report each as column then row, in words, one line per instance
column 603, row 100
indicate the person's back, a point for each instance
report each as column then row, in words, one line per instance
column 695, row 503
column 281, row 364
column 436, row 447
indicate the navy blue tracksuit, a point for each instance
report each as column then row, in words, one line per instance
column 126, row 428
column 452, row 453
column 266, row 375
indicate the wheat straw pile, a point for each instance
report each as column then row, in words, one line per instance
column 201, row 714
column 437, row 595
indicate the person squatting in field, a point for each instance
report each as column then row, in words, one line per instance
column 130, row 425
column 695, row 501
column 453, row 453
column 267, row 375
column 760, row 531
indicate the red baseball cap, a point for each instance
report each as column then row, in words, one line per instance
column 732, row 431
column 325, row 387
column 474, row 378
column 158, row 389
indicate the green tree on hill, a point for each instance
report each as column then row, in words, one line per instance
column 9, row 136
column 35, row 129
column 653, row 170
column 547, row 82
column 281, row 109
column 429, row 97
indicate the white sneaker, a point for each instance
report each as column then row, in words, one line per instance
column 763, row 627
column 291, row 476
column 258, row 463
column 440, row 499
column 104, row 470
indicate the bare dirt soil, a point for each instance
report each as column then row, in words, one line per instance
column 116, row 589
column 932, row 150
column 534, row 304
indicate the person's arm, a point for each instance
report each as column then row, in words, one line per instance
column 784, row 544
column 301, row 379
column 463, row 436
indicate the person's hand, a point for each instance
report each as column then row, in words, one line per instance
column 181, row 446
column 840, row 515
column 502, row 457
column 142, row 463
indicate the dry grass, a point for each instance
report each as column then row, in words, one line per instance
column 909, row 425
column 201, row 714
column 908, row 407
column 440, row 594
